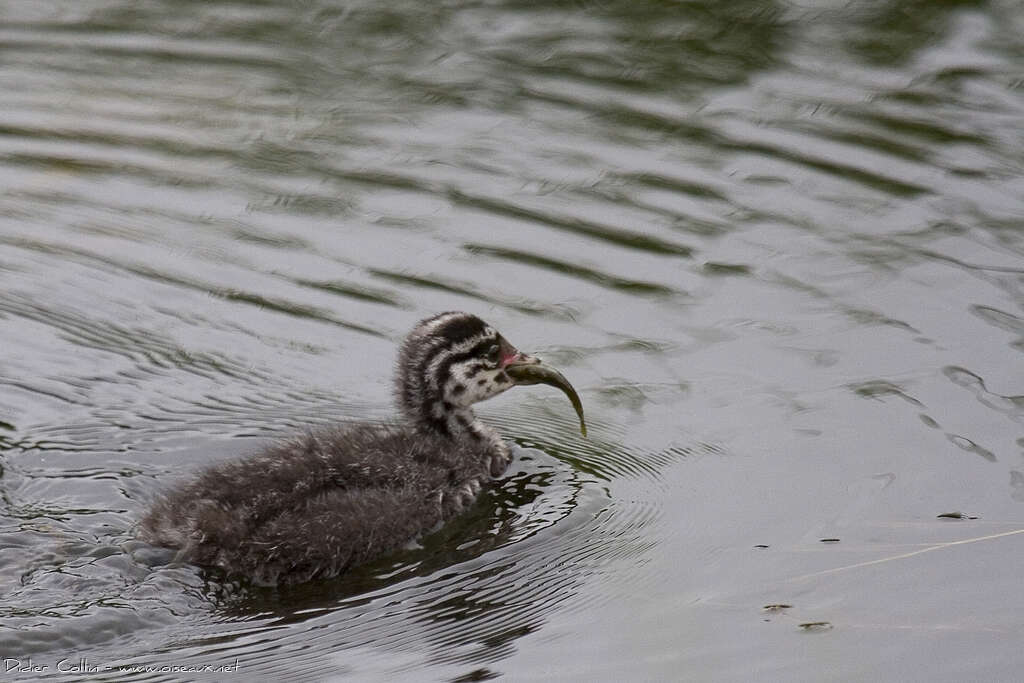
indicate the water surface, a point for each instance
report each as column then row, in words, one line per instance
column 779, row 248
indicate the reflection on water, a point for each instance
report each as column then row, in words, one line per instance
column 777, row 246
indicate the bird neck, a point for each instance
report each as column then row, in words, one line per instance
column 451, row 421
column 454, row 422
column 463, row 422
column 444, row 419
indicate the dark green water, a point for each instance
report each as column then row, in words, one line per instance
column 779, row 248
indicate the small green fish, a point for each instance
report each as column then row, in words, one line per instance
column 538, row 373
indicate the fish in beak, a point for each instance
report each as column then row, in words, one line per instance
column 524, row 369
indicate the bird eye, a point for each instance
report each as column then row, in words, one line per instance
column 492, row 353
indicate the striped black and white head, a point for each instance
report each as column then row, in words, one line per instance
column 448, row 363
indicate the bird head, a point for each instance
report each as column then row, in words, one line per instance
column 453, row 360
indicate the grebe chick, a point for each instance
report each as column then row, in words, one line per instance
column 320, row 503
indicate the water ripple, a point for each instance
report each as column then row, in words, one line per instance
column 728, row 225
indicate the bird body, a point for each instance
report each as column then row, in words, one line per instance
column 320, row 503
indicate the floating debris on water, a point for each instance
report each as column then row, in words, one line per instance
column 816, row 625
column 955, row 515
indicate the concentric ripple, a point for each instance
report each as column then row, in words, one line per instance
column 776, row 246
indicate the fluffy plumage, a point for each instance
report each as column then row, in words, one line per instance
column 321, row 503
